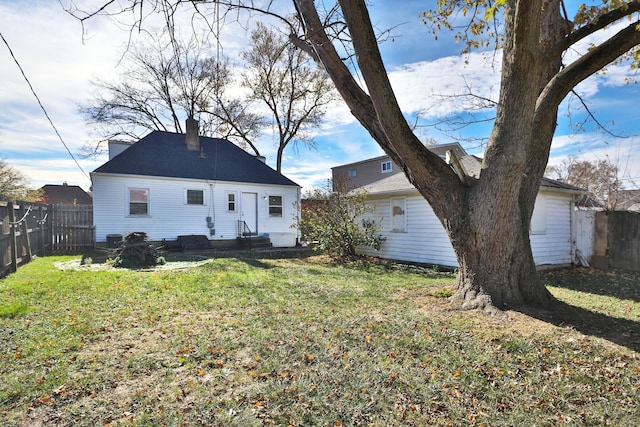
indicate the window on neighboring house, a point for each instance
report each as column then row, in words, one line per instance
column 539, row 216
column 138, row 201
column 398, row 215
column 386, row 166
column 195, row 197
column 275, row 206
column 231, row 202
column 352, row 173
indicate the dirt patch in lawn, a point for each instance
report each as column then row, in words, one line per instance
column 77, row 265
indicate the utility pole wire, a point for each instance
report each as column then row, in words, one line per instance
column 42, row 106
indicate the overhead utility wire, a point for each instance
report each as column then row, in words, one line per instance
column 40, row 104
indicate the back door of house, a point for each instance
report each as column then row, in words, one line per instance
column 249, row 211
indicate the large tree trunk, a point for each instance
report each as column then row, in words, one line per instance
column 488, row 224
column 490, row 228
column 496, row 267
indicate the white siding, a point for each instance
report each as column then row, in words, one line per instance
column 554, row 246
column 425, row 240
column 170, row 216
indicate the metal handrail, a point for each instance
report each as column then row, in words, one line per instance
column 243, row 229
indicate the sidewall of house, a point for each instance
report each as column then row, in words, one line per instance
column 169, row 216
column 553, row 247
column 424, row 240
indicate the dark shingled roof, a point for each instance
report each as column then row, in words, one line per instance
column 165, row 154
column 552, row 183
column 65, row 195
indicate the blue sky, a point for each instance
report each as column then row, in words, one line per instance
column 49, row 45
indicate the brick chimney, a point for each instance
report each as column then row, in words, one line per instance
column 193, row 140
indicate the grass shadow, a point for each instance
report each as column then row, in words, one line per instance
column 256, row 258
column 624, row 332
column 614, row 283
column 590, row 317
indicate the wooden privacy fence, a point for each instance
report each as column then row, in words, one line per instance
column 617, row 240
column 71, row 227
column 30, row 229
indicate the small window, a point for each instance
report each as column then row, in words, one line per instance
column 398, row 215
column 352, row 173
column 386, row 166
column 275, row 206
column 195, row 197
column 539, row 216
column 231, row 202
column 138, row 201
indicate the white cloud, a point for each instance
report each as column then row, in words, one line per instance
column 435, row 88
column 623, row 152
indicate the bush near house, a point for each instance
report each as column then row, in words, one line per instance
column 333, row 217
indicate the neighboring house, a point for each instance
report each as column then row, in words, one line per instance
column 371, row 170
column 169, row 185
column 412, row 232
column 628, row 200
column 70, row 195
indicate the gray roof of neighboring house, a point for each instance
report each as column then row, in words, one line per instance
column 628, row 200
column 559, row 185
column 400, row 184
column 165, row 154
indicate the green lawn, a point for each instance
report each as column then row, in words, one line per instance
column 268, row 340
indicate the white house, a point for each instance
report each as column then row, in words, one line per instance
column 412, row 232
column 169, row 185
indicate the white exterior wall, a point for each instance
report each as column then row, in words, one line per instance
column 425, row 240
column 170, row 216
column 554, row 245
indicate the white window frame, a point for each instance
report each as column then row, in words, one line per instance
column 227, row 196
column 186, row 197
column 148, row 203
column 399, row 215
column 281, row 206
column 386, row 166
column 538, row 225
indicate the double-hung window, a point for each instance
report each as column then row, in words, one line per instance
column 386, row 167
column 195, row 197
column 231, row 202
column 399, row 215
column 138, row 201
column 275, row 206
column 539, row 217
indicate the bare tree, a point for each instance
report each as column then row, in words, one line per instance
column 600, row 178
column 285, row 79
column 161, row 85
column 487, row 223
column 14, row 185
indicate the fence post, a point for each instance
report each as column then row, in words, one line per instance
column 25, row 224
column 12, row 232
column 41, row 224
